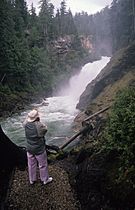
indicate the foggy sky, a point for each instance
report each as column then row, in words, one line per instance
column 89, row 6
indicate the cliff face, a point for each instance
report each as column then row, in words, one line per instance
column 97, row 170
column 118, row 73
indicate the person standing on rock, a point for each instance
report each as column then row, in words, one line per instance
column 36, row 148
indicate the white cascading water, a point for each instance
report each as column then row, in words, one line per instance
column 78, row 83
column 60, row 112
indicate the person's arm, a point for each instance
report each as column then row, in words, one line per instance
column 24, row 123
column 41, row 129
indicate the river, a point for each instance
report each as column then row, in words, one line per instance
column 60, row 112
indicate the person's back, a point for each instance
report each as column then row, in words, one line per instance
column 35, row 132
column 35, row 144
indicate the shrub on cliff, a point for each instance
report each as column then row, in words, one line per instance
column 120, row 132
column 119, row 139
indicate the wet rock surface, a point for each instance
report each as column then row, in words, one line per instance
column 121, row 63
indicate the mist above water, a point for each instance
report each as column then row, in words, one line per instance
column 78, row 83
column 61, row 111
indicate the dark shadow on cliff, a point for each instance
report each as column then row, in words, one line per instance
column 11, row 156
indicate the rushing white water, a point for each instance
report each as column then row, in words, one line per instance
column 60, row 112
column 78, row 83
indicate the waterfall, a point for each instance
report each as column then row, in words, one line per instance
column 78, row 83
column 60, row 112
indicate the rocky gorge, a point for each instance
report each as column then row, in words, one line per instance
column 88, row 171
column 98, row 169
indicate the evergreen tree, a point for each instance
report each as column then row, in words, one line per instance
column 84, row 23
column 33, row 31
column 20, row 14
column 122, row 23
column 63, row 8
column 51, row 30
column 28, row 59
column 45, row 21
column 33, row 16
column 71, row 28
column 63, row 13
column 57, row 23
column 7, row 42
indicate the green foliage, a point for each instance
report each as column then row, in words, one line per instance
column 120, row 132
column 122, row 17
column 29, row 62
column 97, row 28
column 113, row 26
column 85, row 24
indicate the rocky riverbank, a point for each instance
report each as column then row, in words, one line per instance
column 57, row 195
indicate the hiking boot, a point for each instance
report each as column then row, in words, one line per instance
column 32, row 182
column 48, row 181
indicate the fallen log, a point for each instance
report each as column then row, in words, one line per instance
column 74, row 137
column 97, row 113
column 84, row 129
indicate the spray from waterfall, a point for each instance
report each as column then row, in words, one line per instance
column 78, row 83
column 61, row 111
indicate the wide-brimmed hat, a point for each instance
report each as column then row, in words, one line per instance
column 33, row 115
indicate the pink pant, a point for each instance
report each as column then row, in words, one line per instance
column 41, row 160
